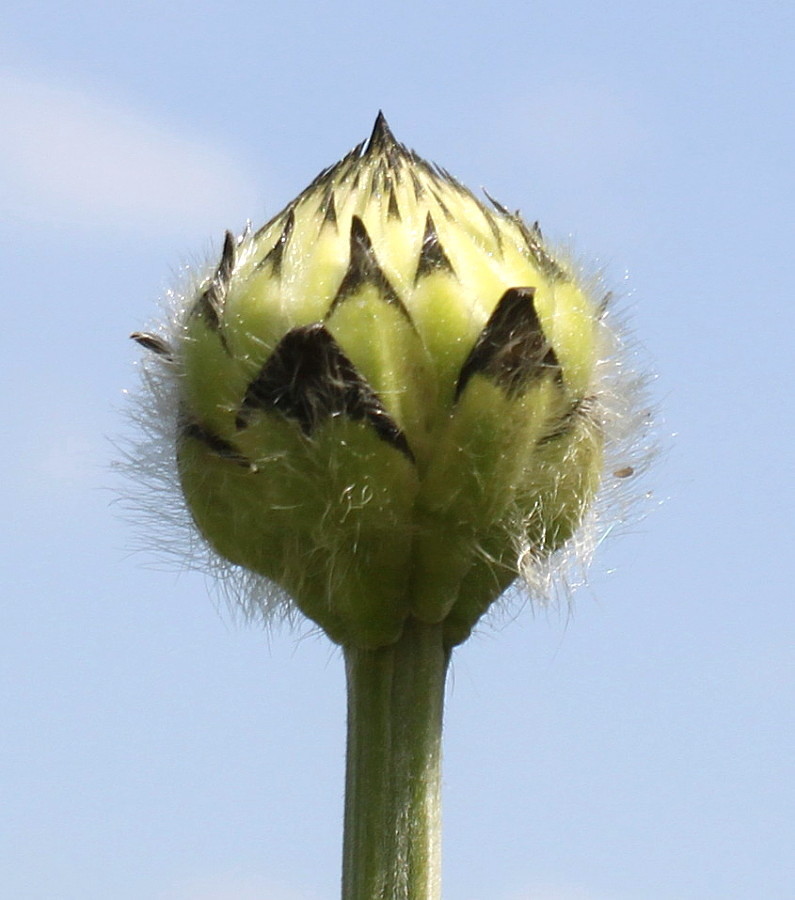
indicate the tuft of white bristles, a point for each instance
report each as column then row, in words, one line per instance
column 164, row 529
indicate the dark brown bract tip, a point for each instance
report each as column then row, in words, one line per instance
column 381, row 140
column 153, row 343
column 309, row 379
column 512, row 350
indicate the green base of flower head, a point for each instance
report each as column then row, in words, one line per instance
column 386, row 397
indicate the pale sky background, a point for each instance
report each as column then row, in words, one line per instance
column 640, row 748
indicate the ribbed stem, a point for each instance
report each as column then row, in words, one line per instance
column 392, row 841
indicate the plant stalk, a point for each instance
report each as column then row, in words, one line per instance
column 392, row 834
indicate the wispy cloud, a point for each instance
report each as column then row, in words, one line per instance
column 72, row 158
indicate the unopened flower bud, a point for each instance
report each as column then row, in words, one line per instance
column 389, row 398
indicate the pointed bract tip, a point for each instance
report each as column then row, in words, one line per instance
column 381, row 138
column 153, row 343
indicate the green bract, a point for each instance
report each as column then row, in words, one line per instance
column 387, row 397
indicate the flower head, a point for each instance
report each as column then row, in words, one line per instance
column 391, row 398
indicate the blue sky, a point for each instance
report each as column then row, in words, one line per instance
column 637, row 747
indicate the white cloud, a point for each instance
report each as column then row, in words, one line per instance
column 74, row 159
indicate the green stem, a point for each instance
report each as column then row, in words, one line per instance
column 392, row 842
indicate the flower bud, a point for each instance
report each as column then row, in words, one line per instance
column 388, row 396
